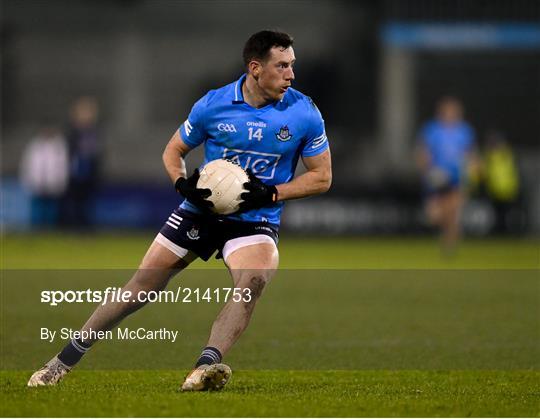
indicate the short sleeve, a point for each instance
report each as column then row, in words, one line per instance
column 315, row 141
column 193, row 130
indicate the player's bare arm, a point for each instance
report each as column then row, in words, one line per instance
column 474, row 163
column 173, row 157
column 422, row 158
column 316, row 180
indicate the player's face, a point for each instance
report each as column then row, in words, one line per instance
column 450, row 111
column 276, row 74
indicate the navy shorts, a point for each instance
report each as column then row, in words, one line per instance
column 204, row 234
column 452, row 183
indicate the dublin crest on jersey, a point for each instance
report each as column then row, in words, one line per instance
column 284, row 134
column 193, row 234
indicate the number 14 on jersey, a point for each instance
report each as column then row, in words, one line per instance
column 255, row 133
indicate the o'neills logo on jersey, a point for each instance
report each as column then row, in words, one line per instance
column 258, row 124
column 284, row 134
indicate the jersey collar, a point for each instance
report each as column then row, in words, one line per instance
column 238, row 96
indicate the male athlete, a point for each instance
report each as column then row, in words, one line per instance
column 446, row 151
column 263, row 124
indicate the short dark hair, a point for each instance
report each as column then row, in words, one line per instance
column 259, row 44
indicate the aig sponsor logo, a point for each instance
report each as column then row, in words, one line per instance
column 226, row 127
column 262, row 164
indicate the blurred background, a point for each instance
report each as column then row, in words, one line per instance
column 93, row 90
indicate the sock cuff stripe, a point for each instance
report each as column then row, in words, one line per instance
column 214, row 350
column 78, row 346
column 211, row 351
column 210, row 355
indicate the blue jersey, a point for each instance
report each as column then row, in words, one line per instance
column 448, row 146
column 268, row 140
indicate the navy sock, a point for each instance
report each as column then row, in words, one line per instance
column 73, row 352
column 209, row 356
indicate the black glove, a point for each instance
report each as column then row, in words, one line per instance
column 188, row 188
column 259, row 194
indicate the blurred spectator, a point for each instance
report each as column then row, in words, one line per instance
column 445, row 152
column 501, row 179
column 44, row 172
column 84, row 155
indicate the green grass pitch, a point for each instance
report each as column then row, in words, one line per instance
column 281, row 394
column 348, row 327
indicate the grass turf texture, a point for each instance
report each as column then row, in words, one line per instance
column 72, row 251
column 459, row 343
column 282, row 394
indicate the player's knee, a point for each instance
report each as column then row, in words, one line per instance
column 252, row 285
column 256, row 285
column 434, row 215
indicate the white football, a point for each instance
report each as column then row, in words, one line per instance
column 226, row 181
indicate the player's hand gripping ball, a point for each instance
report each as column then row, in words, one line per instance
column 188, row 188
column 258, row 194
column 225, row 180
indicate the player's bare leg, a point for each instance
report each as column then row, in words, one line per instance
column 434, row 210
column 444, row 211
column 451, row 225
column 156, row 269
column 158, row 266
column 251, row 268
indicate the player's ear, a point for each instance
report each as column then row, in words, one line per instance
column 254, row 68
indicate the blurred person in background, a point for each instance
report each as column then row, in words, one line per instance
column 84, row 157
column 44, row 173
column 445, row 156
column 501, row 180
